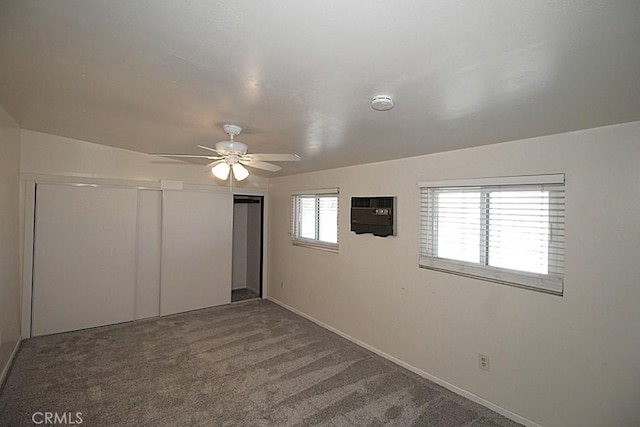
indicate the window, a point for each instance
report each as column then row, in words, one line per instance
column 315, row 219
column 507, row 230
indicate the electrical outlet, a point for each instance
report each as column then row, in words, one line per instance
column 281, row 284
column 483, row 362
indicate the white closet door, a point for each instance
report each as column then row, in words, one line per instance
column 84, row 257
column 148, row 253
column 196, row 250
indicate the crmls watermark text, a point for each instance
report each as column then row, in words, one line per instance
column 53, row 418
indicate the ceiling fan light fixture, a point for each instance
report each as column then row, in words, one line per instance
column 229, row 155
column 221, row 170
column 239, row 171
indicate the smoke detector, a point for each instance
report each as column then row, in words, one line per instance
column 382, row 102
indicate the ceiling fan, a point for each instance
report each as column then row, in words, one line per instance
column 231, row 155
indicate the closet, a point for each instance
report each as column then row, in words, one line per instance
column 107, row 254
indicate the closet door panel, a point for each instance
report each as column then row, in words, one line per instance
column 196, row 250
column 84, row 257
column 148, row 254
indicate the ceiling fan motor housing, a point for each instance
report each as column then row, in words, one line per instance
column 231, row 147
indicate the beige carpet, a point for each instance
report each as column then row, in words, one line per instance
column 248, row 364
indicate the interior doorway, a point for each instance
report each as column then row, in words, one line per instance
column 248, row 226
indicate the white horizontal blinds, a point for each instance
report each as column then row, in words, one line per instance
column 317, row 192
column 307, row 217
column 526, row 229
column 328, row 219
column 315, row 218
column 458, row 218
column 509, row 233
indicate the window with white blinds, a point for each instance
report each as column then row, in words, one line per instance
column 315, row 219
column 508, row 230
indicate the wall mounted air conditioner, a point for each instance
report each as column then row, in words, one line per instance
column 374, row 215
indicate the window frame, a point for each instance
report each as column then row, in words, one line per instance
column 552, row 282
column 316, row 243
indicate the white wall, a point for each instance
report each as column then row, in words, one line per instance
column 558, row 361
column 254, row 244
column 239, row 269
column 9, row 247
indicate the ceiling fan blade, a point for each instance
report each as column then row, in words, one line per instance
column 275, row 157
column 195, row 156
column 261, row 165
column 208, row 148
column 212, row 164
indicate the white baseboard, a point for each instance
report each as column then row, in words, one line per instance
column 464, row 393
column 6, row 368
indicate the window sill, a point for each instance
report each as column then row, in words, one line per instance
column 326, row 248
column 546, row 284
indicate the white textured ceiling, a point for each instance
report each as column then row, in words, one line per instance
column 164, row 75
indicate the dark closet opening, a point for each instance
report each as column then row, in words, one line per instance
column 248, row 226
